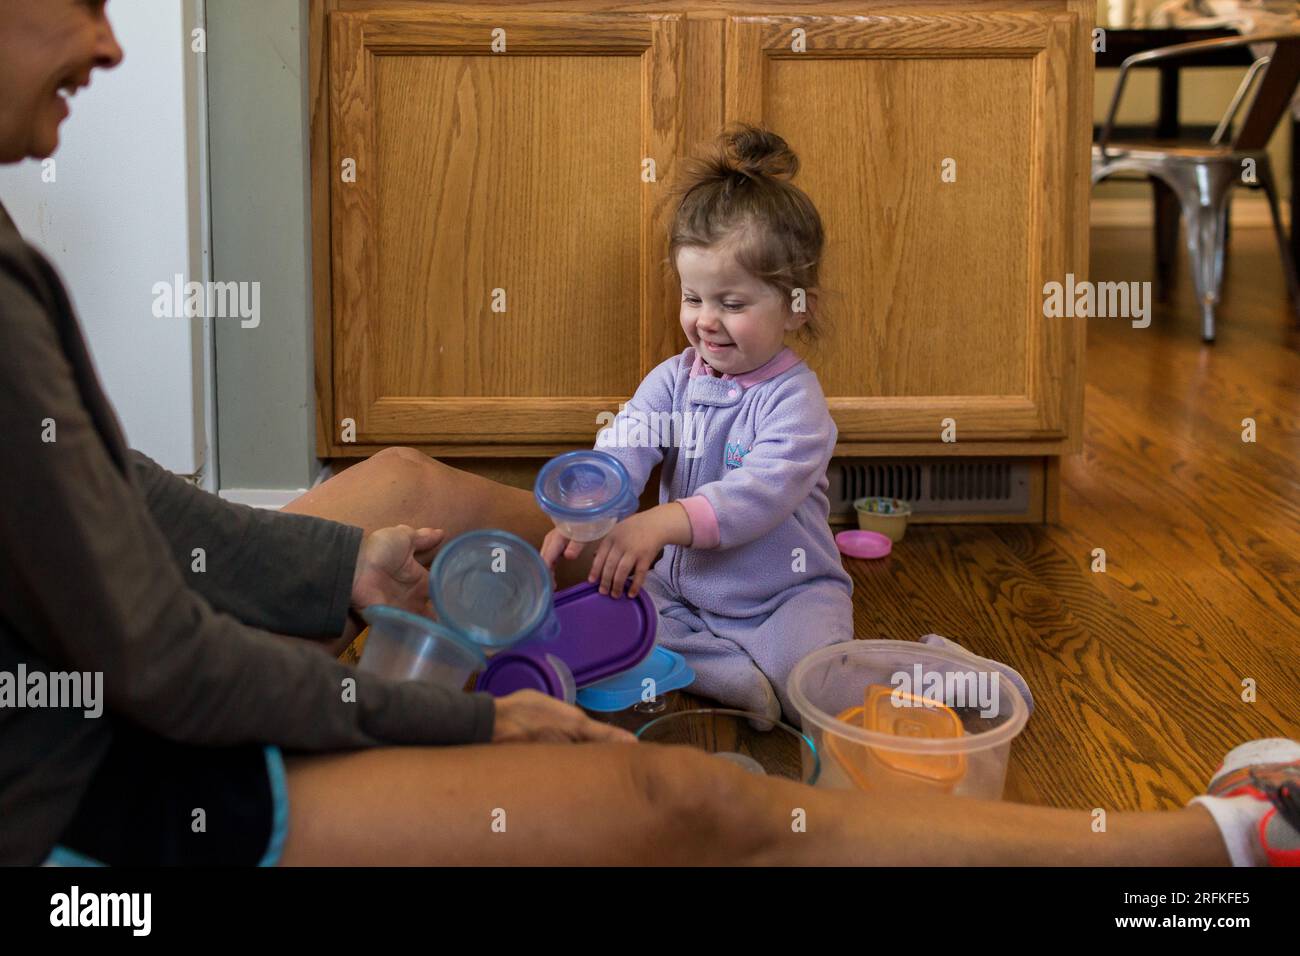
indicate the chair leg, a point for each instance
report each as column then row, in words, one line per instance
column 1264, row 171
column 1165, row 207
column 1203, row 191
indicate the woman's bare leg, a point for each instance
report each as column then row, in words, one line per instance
column 404, row 486
column 645, row 804
column 622, row 804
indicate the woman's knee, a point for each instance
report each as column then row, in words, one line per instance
column 409, row 470
column 401, row 460
column 401, row 453
column 713, row 812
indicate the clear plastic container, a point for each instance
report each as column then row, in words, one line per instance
column 905, row 717
column 405, row 646
column 492, row 588
column 749, row 741
column 585, row 493
column 569, row 692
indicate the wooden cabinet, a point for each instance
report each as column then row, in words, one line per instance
column 493, row 276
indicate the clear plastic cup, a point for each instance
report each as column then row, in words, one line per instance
column 775, row 750
column 492, row 588
column 905, row 717
column 405, row 646
column 585, row 493
column 569, row 694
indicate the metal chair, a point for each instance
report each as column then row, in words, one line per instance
column 1202, row 175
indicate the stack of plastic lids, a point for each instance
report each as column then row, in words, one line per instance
column 597, row 637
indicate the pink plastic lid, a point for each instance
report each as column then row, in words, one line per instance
column 863, row 544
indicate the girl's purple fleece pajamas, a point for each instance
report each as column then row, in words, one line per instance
column 746, row 456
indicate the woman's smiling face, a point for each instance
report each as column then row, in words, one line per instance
column 736, row 322
column 47, row 48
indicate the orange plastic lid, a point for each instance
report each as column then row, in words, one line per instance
column 921, row 719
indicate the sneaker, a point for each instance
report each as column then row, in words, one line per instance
column 1274, row 780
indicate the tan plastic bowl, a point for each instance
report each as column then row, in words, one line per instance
column 891, row 524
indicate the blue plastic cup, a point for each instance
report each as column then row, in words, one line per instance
column 585, row 493
column 405, row 646
column 493, row 589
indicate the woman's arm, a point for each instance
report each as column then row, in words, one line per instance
column 279, row 572
column 95, row 585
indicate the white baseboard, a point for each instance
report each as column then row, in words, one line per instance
column 1248, row 212
column 272, row 498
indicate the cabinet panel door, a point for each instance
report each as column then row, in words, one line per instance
column 933, row 288
column 497, row 257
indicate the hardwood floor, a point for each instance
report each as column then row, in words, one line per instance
column 1138, row 672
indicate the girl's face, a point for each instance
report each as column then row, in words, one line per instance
column 47, row 48
column 735, row 321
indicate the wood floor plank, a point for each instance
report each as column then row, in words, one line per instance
column 1137, row 671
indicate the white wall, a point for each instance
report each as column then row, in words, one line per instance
column 124, row 213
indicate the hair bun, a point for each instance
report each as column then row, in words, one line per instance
column 758, row 152
column 749, row 151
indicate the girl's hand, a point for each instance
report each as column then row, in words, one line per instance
column 556, row 544
column 630, row 549
column 527, row 716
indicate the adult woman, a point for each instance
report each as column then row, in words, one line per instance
column 95, row 576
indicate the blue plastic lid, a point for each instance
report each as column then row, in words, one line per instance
column 666, row 668
column 584, row 485
column 492, row 588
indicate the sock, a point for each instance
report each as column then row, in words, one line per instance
column 938, row 640
column 1238, row 820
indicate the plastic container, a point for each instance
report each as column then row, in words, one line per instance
column 905, row 717
column 732, row 735
column 405, row 646
column 596, row 636
column 493, row 589
column 888, row 516
column 585, row 493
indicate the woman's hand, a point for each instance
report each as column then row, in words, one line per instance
column 634, row 543
column 527, row 716
column 393, row 567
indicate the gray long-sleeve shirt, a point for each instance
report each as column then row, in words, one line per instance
column 96, row 575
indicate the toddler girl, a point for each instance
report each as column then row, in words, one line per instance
column 750, row 580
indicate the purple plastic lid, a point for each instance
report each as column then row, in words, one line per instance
column 598, row 637
column 514, row 671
